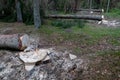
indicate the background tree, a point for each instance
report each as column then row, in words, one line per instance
column 108, row 4
column 26, row 11
column 36, row 12
column 18, row 11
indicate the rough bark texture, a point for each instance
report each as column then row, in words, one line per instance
column 37, row 20
column 14, row 41
column 108, row 5
column 88, row 17
column 18, row 10
column 94, row 10
column 75, row 5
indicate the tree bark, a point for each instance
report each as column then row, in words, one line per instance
column 108, row 5
column 36, row 12
column 88, row 17
column 18, row 10
column 98, row 3
column 90, row 5
column 75, row 5
column 15, row 41
column 94, row 10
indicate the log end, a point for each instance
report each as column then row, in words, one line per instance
column 25, row 41
column 103, row 17
column 102, row 10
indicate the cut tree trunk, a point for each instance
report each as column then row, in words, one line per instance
column 94, row 10
column 88, row 17
column 14, row 41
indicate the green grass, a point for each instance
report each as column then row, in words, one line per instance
column 98, row 32
column 79, row 39
column 115, row 13
column 68, row 23
column 86, row 35
column 109, row 52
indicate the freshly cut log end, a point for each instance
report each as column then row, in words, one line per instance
column 25, row 41
column 103, row 17
column 102, row 10
column 14, row 41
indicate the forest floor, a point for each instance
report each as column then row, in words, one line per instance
column 98, row 44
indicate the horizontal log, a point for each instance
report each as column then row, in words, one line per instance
column 88, row 17
column 94, row 10
column 14, row 41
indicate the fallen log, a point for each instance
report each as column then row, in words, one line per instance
column 88, row 17
column 94, row 10
column 14, row 41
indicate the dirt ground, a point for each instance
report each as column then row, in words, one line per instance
column 103, row 66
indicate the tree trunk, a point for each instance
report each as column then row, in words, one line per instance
column 36, row 12
column 88, row 17
column 94, row 10
column 18, row 10
column 75, row 5
column 108, row 4
column 90, row 5
column 14, row 41
column 98, row 3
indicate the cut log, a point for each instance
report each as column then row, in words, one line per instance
column 88, row 17
column 14, row 41
column 94, row 10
